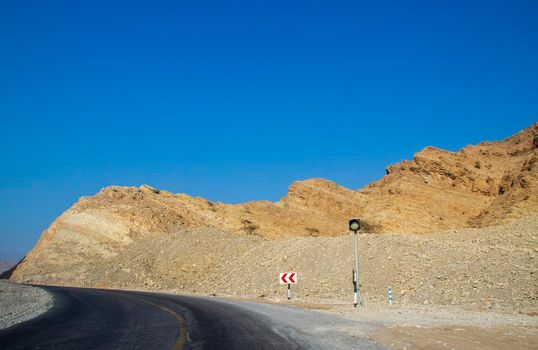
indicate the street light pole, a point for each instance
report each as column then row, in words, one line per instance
column 355, row 225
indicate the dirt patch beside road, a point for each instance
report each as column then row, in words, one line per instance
column 462, row 338
column 436, row 327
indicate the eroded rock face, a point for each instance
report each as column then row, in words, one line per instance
column 478, row 185
column 486, row 184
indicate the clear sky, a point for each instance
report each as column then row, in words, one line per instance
column 233, row 101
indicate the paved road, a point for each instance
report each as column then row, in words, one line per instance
column 99, row 319
column 105, row 319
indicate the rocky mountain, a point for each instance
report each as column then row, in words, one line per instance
column 486, row 184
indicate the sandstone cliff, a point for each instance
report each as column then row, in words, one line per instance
column 486, row 184
column 489, row 183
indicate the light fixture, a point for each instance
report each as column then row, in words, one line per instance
column 354, row 225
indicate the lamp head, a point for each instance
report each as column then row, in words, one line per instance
column 354, row 224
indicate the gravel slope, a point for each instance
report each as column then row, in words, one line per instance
column 488, row 268
column 19, row 303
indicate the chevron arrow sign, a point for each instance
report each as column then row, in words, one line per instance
column 287, row 278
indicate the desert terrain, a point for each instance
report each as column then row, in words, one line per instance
column 452, row 233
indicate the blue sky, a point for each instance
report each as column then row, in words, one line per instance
column 233, row 101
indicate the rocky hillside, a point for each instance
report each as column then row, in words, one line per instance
column 486, row 184
column 482, row 268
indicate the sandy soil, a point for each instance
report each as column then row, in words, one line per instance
column 437, row 327
column 453, row 337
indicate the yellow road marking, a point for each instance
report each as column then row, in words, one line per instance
column 180, row 343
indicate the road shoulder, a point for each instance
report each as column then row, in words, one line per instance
column 19, row 303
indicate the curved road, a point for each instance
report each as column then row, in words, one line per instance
column 107, row 319
column 103, row 319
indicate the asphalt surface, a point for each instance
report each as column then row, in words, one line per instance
column 105, row 319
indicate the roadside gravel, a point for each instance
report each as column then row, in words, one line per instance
column 400, row 327
column 314, row 330
column 19, row 303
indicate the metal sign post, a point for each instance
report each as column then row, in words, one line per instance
column 289, row 291
column 355, row 226
column 354, row 277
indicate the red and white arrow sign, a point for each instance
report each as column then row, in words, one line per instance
column 287, row 278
